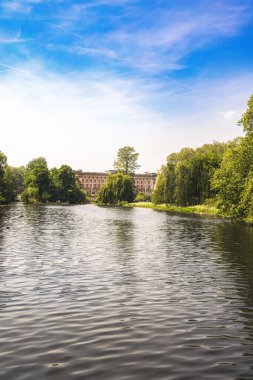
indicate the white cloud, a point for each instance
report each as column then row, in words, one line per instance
column 9, row 68
column 82, row 50
column 80, row 120
column 16, row 7
column 83, row 119
column 231, row 114
column 4, row 39
column 172, row 36
column 156, row 44
column 19, row 6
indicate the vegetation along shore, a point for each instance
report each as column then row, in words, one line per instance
column 215, row 179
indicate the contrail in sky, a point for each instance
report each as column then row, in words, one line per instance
column 10, row 68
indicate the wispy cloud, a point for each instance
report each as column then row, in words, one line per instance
column 168, row 39
column 91, row 115
column 11, row 68
column 4, row 39
column 160, row 46
column 16, row 5
column 128, row 33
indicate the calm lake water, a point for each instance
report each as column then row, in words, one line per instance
column 111, row 293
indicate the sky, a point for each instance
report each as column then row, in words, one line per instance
column 81, row 79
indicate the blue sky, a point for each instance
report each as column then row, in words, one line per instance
column 80, row 79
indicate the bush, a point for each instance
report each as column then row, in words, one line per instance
column 118, row 188
column 142, row 197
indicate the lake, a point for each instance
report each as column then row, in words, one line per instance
column 88, row 292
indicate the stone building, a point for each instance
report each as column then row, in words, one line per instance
column 92, row 181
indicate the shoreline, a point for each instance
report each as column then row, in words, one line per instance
column 197, row 210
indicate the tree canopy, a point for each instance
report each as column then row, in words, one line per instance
column 247, row 117
column 55, row 185
column 65, row 186
column 218, row 173
column 117, row 188
column 185, row 180
column 11, row 181
column 126, row 161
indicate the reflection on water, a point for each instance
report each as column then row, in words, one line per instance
column 110, row 293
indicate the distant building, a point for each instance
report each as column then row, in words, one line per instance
column 92, row 181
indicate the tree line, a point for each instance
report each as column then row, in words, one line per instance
column 220, row 174
column 36, row 183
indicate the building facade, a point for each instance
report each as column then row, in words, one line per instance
column 92, row 181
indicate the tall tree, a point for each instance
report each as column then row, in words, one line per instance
column 14, row 182
column 247, row 117
column 233, row 180
column 118, row 188
column 3, row 163
column 65, row 186
column 37, row 181
column 186, row 177
column 126, row 161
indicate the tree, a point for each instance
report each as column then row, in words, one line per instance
column 158, row 195
column 37, row 181
column 142, row 197
column 247, row 198
column 186, row 177
column 14, row 182
column 233, row 180
column 65, row 186
column 117, row 188
column 3, row 163
column 126, row 161
column 247, row 117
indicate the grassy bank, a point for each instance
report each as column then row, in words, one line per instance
column 196, row 210
column 199, row 209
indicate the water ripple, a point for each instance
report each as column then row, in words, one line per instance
column 110, row 293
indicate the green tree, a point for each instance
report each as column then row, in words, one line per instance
column 183, row 183
column 232, row 180
column 3, row 163
column 186, row 177
column 117, row 188
column 126, row 161
column 14, row 182
column 246, row 204
column 165, row 183
column 247, row 117
column 65, row 186
column 37, row 181
column 158, row 195
column 142, row 197
column 206, row 161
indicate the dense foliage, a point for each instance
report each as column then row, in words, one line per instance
column 117, row 188
column 11, row 181
column 126, row 161
column 186, row 178
column 219, row 173
column 247, row 118
column 142, row 197
column 55, row 185
column 36, row 183
column 234, row 179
